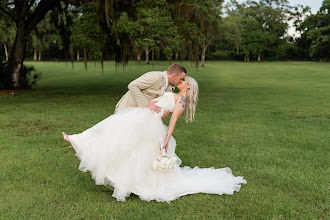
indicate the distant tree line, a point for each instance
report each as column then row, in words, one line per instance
column 259, row 30
column 124, row 30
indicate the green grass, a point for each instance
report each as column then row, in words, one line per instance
column 268, row 122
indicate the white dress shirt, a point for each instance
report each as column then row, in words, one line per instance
column 166, row 81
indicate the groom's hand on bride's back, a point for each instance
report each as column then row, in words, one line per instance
column 166, row 113
column 153, row 107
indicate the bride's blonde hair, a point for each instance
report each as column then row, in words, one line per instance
column 192, row 98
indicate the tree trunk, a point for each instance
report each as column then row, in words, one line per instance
column 78, row 58
column 177, row 55
column 85, row 59
column 139, row 54
column 6, row 50
column 203, row 55
column 258, row 55
column 245, row 58
column 39, row 58
column 152, row 56
column 16, row 57
column 147, row 55
column 35, row 54
column 183, row 54
column 248, row 59
column 25, row 21
column 237, row 49
column 101, row 60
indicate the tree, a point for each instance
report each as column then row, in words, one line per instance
column 61, row 17
column 232, row 25
column 184, row 16
column 40, row 37
column 316, row 29
column 208, row 14
column 109, row 11
column 26, row 15
column 262, row 26
column 232, row 31
column 156, row 28
column 7, row 36
column 88, row 36
column 152, row 30
column 126, row 28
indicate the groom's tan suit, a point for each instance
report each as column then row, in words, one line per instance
column 144, row 89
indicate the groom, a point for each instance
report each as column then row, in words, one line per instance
column 149, row 86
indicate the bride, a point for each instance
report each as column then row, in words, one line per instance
column 120, row 150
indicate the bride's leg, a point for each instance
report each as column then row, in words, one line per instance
column 66, row 137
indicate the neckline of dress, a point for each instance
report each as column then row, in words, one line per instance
column 173, row 98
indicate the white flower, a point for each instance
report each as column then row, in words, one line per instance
column 164, row 163
column 154, row 165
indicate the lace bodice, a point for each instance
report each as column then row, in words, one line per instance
column 166, row 102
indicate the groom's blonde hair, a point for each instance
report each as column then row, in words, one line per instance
column 177, row 69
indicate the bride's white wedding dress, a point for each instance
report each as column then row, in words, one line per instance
column 119, row 152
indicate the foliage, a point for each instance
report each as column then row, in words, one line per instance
column 220, row 55
column 123, row 30
column 157, row 29
column 43, row 35
column 255, row 40
column 87, row 35
column 316, row 29
column 185, row 19
column 29, row 77
column 153, row 30
column 257, row 27
column 7, row 33
column 208, row 17
column 61, row 17
column 5, row 78
column 289, row 51
column 26, row 15
column 232, row 31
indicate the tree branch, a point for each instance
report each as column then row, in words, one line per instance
column 10, row 3
column 39, row 13
column 18, row 9
column 8, row 13
column 26, row 7
column 31, row 3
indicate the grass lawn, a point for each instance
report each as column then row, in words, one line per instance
column 268, row 122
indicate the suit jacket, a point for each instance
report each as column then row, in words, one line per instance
column 143, row 89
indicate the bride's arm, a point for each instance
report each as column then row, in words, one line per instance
column 178, row 110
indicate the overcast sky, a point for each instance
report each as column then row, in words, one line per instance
column 313, row 4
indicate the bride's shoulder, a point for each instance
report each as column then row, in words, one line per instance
column 176, row 96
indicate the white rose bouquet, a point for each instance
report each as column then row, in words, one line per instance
column 163, row 162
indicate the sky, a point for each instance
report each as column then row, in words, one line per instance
column 313, row 4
